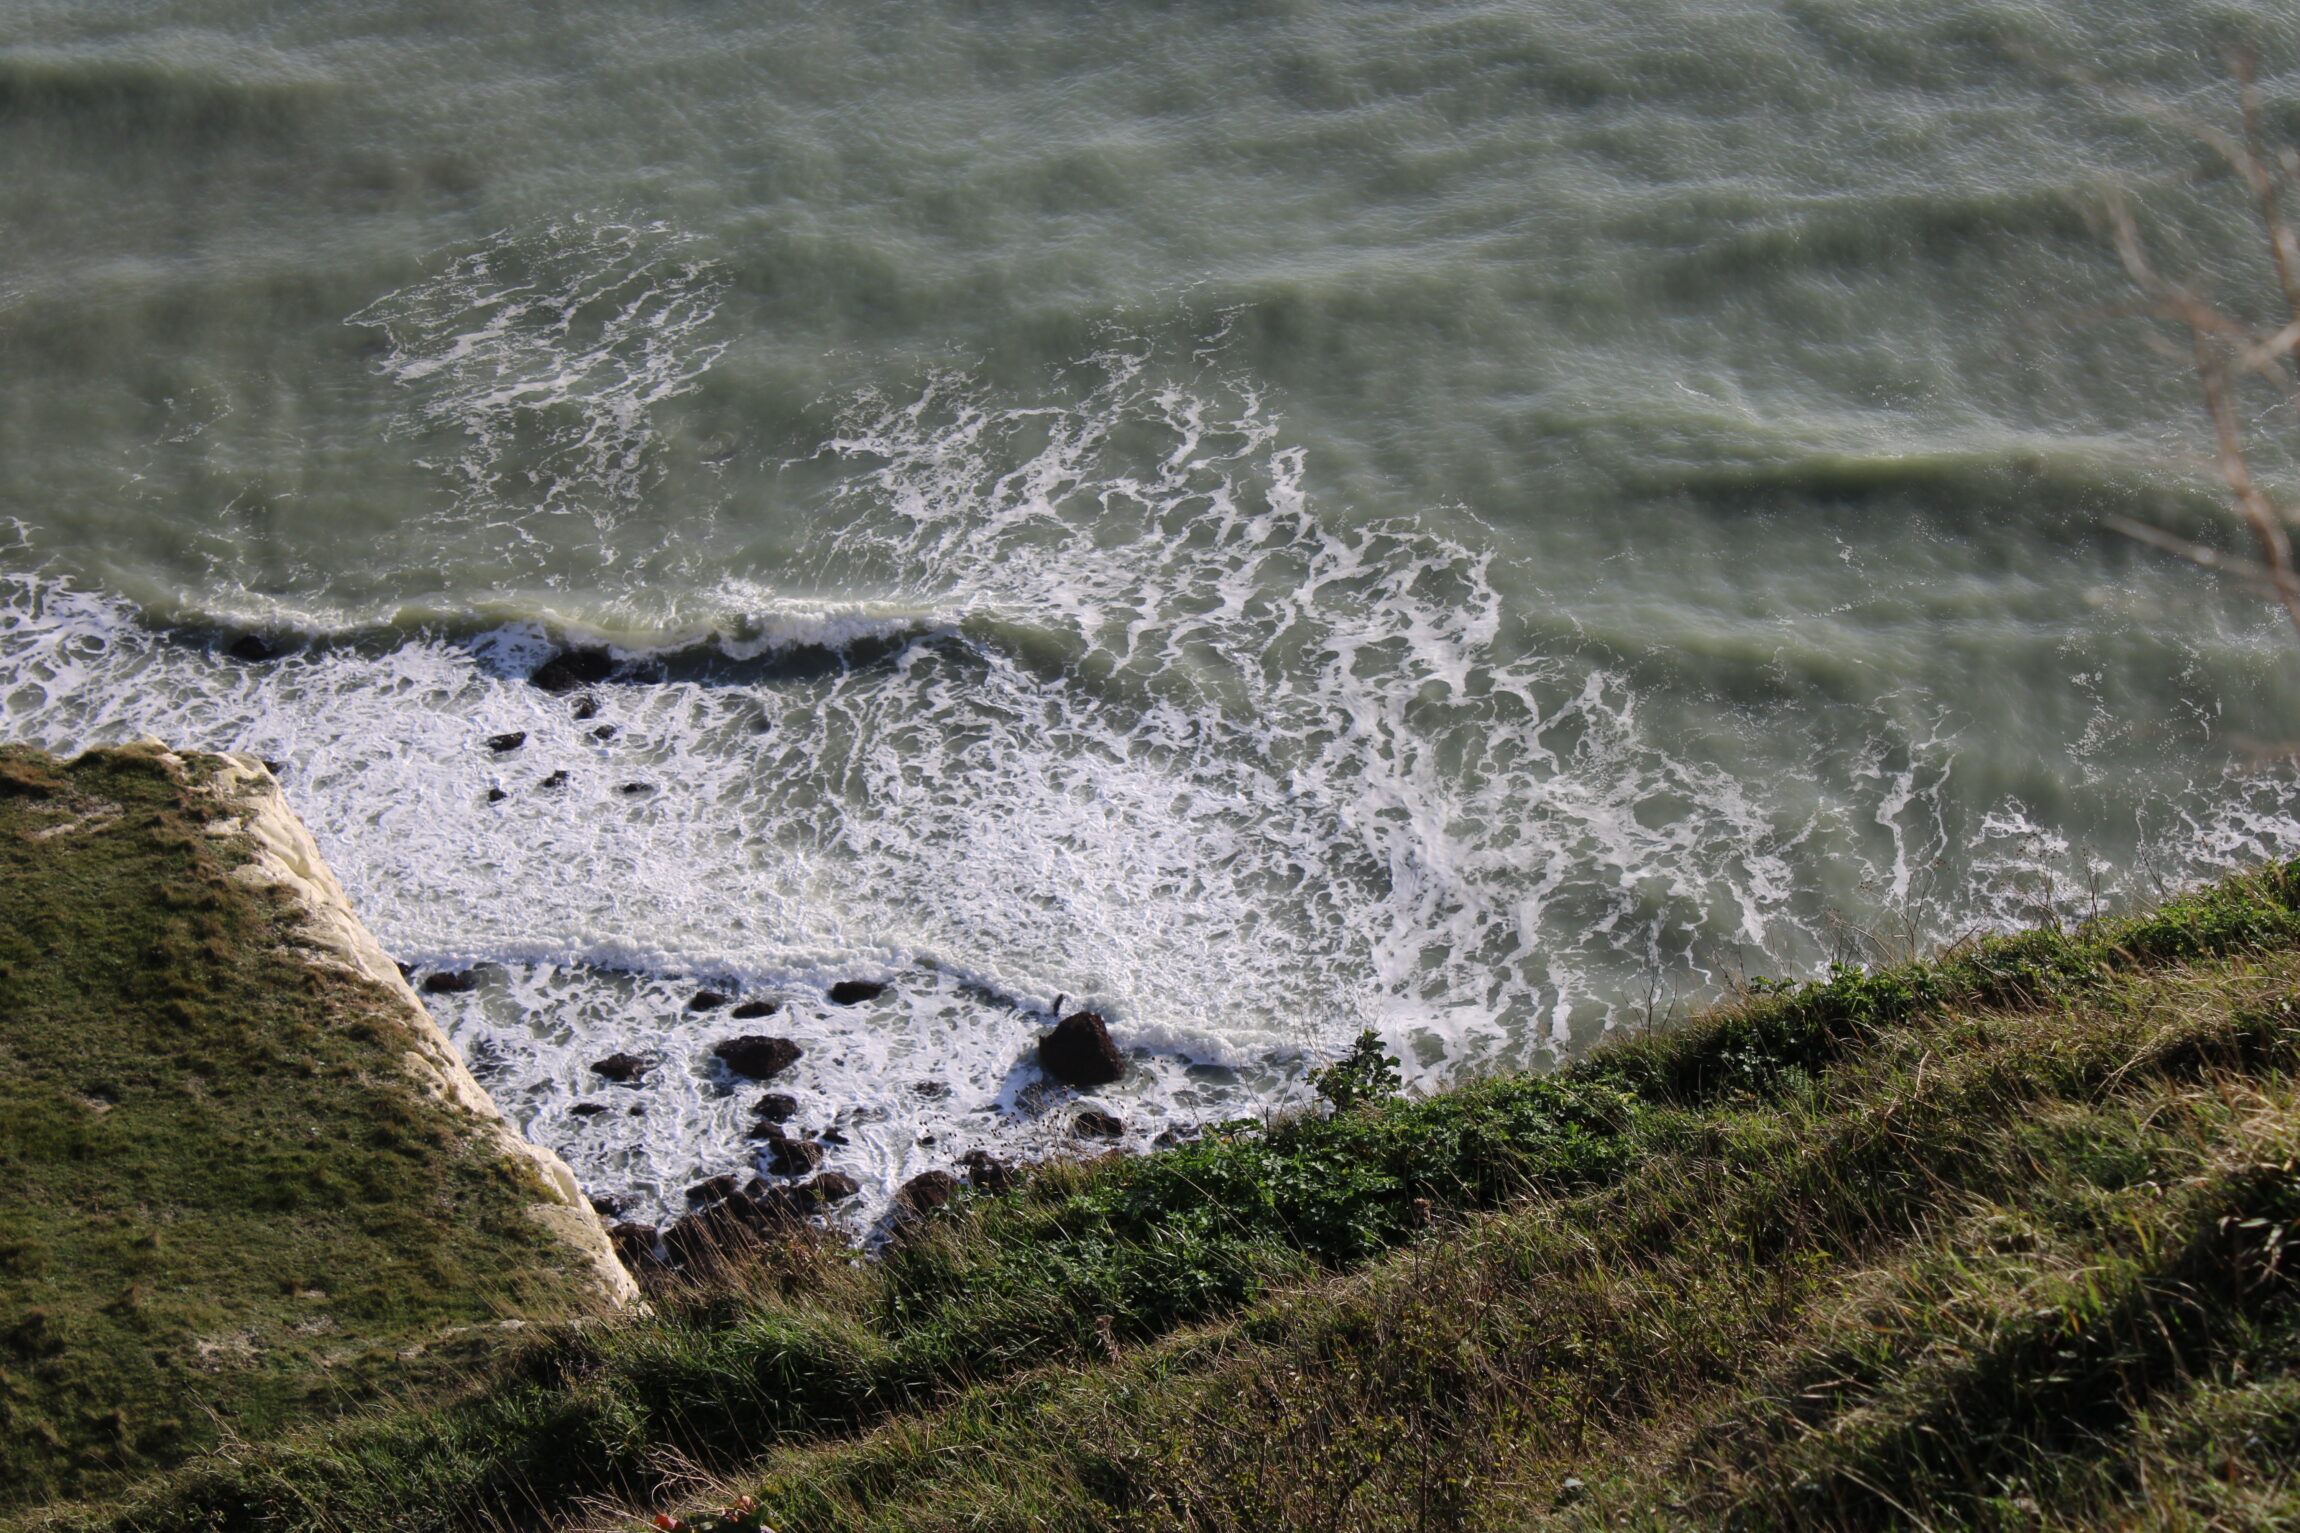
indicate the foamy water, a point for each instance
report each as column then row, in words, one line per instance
column 1485, row 524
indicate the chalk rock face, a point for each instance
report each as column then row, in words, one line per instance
column 1079, row 1051
column 286, row 856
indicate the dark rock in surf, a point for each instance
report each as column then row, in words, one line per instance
column 758, row 1057
column 750, row 1009
column 707, row 1000
column 496, row 795
column 254, row 648
column 1096, row 1124
column 555, row 780
column 635, row 789
column 775, row 1107
column 622, row 1069
column 765, row 1128
column 714, row 1189
column 635, row 1245
column 830, row 1187
column 985, row 1172
column 276, row 768
column 924, row 1193
column 933, row 1091
column 460, row 982
column 850, row 992
column 1079, row 1051
column 586, row 707
column 589, row 1109
column 510, row 742
column 795, row 1157
column 573, row 668
column 605, row 732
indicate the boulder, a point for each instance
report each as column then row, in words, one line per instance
column 605, row 732
column 557, row 779
column 756, row 1056
column 635, row 1244
column 795, row 1157
column 460, row 982
column 830, row 1187
column 1079, row 1051
column 1096, row 1124
column 775, row 1107
column 849, row 992
column 586, row 707
column 924, row 1193
column 713, row 1190
column 985, row 1172
column 707, row 1000
column 750, row 1009
column 588, row 1109
column 765, row 1128
column 496, row 795
column 622, row 1069
column 510, row 742
column 573, row 668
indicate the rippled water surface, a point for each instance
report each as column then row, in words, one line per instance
column 1482, row 521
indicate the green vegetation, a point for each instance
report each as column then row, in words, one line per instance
column 1997, row 1240
column 223, row 1206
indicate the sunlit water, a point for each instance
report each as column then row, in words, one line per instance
column 1485, row 522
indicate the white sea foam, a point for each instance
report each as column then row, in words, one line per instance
column 547, row 352
column 1137, row 726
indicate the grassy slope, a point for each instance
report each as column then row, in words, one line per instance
column 222, row 1205
column 1996, row 1240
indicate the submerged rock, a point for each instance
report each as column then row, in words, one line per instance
column 761, row 1058
column 623, row 1069
column 573, row 668
column 254, row 648
column 589, row 1109
column 1096, row 1124
column 555, row 780
column 509, row 742
column 1079, row 1051
column 586, row 707
column 849, row 992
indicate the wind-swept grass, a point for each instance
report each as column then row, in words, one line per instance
column 1994, row 1239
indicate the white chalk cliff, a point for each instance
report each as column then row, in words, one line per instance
column 251, row 805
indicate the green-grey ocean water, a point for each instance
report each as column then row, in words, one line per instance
column 1480, row 520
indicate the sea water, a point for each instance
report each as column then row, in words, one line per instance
column 1488, row 522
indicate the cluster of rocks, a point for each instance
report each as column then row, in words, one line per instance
column 728, row 1217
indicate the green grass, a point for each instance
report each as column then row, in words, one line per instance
column 223, row 1206
column 1995, row 1240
